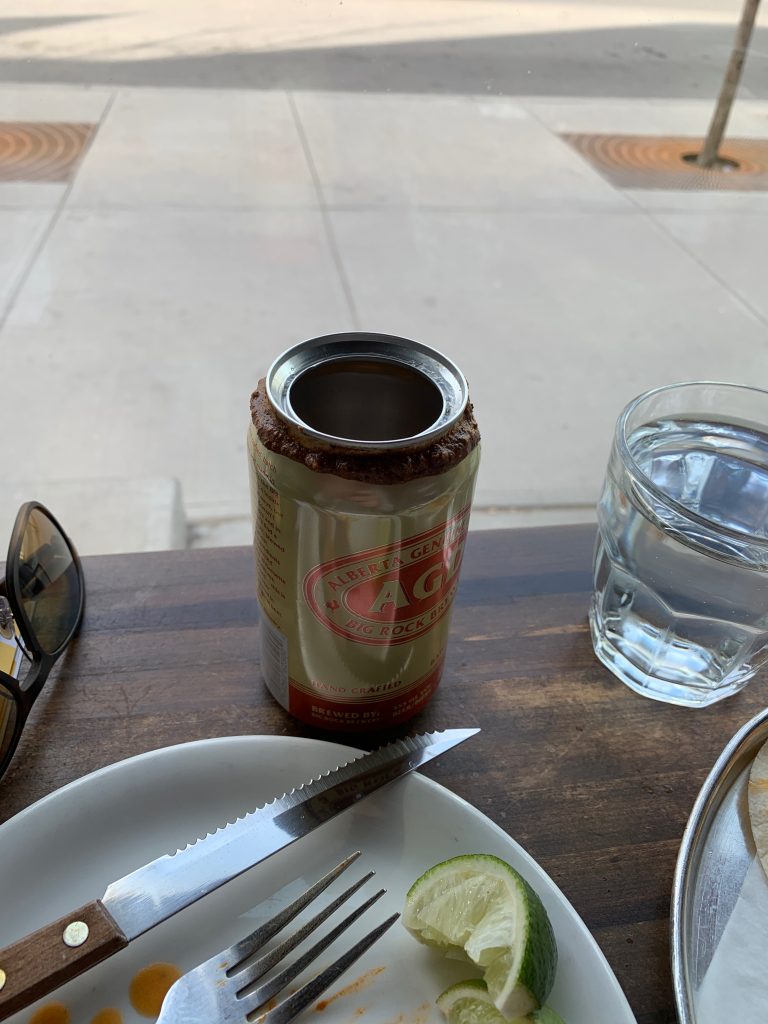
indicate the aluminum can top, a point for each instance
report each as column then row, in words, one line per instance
column 375, row 392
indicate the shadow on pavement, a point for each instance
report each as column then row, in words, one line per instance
column 680, row 61
column 10, row 25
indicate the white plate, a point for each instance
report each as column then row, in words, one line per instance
column 64, row 850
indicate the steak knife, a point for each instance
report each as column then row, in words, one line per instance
column 58, row 952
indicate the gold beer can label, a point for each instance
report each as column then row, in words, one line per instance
column 355, row 580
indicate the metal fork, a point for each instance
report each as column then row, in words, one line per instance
column 221, row 991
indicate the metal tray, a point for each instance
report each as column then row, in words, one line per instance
column 716, row 852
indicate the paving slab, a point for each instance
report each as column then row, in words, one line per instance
column 28, row 195
column 53, row 102
column 200, row 148
column 495, row 518
column 103, row 516
column 557, row 320
column 20, row 231
column 194, row 247
column 735, row 204
column 735, row 249
column 48, row 104
column 656, row 117
column 145, row 333
column 220, row 532
column 645, row 116
column 438, row 151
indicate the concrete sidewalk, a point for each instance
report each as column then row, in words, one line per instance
column 206, row 230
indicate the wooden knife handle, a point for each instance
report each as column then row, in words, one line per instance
column 45, row 959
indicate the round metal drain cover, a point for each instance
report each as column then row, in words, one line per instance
column 39, row 151
column 646, row 161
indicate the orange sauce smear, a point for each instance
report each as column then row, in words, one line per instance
column 357, row 986
column 419, row 1016
column 150, row 987
column 51, row 1013
column 108, row 1016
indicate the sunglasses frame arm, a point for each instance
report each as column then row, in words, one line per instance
column 13, row 588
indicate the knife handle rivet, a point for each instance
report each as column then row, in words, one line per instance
column 3, row 979
column 75, row 933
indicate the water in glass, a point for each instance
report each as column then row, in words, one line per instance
column 680, row 607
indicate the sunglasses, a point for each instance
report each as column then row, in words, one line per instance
column 41, row 606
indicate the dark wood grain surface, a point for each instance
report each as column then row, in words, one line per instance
column 593, row 780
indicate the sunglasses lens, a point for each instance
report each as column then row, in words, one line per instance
column 49, row 583
column 7, row 721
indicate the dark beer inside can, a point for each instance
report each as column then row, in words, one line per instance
column 372, row 392
column 366, row 399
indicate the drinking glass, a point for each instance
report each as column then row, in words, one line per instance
column 679, row 610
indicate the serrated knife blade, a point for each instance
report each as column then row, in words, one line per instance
column 39, row 963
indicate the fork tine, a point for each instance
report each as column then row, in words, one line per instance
column 241, row 950
column 292, row 1006
column 265, row 963
column 276, row 984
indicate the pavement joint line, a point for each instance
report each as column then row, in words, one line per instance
column 543, row 506
column 526, row 211
column 50, row 227
column 192, row 208
column 735, row 295
column 545, row 210
column 620, row 196
column 330, row 234
column 632, row 208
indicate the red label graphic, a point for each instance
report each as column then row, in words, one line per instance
column 393, row 594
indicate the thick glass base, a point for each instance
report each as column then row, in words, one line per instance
column 689, row 693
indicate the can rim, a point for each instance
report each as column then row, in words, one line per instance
column 441, row 371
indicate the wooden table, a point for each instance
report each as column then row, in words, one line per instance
column 593, row 780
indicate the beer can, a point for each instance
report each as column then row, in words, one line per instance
column 363, row 453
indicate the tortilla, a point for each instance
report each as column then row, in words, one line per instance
column 757, row 793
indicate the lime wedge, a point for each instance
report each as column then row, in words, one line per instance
column 479, row 906
column 470, row 1003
